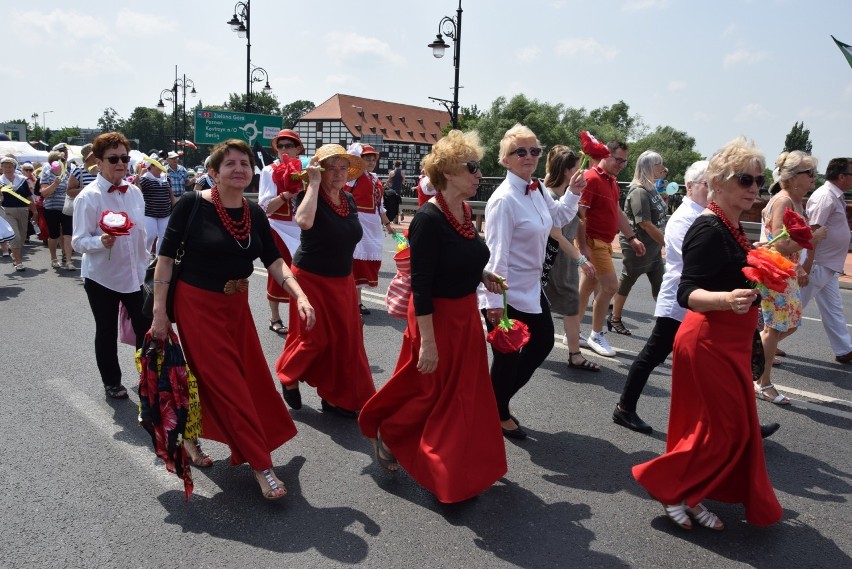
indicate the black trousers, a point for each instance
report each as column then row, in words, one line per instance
column 656, row 350
column 104, row 304
column 510, row 372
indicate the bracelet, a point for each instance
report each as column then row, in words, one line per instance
column 631, row 238
column 284, row 280
column 388, row 223
column 161, row 282
column 581, row 260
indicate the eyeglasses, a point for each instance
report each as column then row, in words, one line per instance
column 114, row 159
column 620, row 161
column 286, row 145
column 522, row 152
column 472, row 166
column 811, row 172
column 28, row 169
column 746, row 180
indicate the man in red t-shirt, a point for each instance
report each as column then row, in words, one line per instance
column 602, row 220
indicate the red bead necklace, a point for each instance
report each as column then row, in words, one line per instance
column 239, row 230
column 738, row 232
column 466, row 228
column 342, row 209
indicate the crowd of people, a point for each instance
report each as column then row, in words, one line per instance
column 319, row 228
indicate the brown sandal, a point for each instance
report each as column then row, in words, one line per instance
column 585, row 365
column 278, row 327
column 198, row 457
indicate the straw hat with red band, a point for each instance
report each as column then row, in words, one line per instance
column 286, row 133
column 356, row 165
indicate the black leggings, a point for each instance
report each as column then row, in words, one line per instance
column 104, row 303
column 510, row 372
column 656, row 350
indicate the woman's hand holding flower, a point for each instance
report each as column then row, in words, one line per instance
column 495, row 284
column 578, row 183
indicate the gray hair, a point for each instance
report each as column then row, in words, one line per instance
column 508, row 140
column 643, row 175
column 738, row 155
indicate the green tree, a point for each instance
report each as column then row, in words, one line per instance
column 799, row 138
column 151, row 128
column 110, row 121
column 261, row 103
column 63, row 135
column 291, row 112
column 676, row 147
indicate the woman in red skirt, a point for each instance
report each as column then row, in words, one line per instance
column 437, row 415
column 240, row 405
column 714, row 449
column 330, row 356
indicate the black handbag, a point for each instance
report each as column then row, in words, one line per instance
column 148, row 284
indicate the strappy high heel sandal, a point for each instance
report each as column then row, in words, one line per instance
column 270, row 486
column 678, row 514
column 615, row 325
column 197, row 456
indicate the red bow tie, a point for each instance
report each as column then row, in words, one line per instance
column 532, row 187
column 121, row 189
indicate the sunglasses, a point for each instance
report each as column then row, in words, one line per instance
column 522, row 152
column 114, row 159
column 28, row 169
column 811, row 172
column 746, row 180
column 619, row 161
column 286, row 146
column 472, row 166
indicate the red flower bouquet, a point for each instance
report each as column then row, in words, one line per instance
column 796, row 228
column 769, row 268
column 287, row 175
column 115, row 224
column 591, row 148
column 509, row 335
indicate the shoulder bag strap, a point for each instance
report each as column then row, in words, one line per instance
column 196, row 202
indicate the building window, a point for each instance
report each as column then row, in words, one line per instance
column 319, row 126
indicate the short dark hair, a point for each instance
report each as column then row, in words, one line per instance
column 614, row 145
column 217, row 155
column 107, row 140
column 837, row 166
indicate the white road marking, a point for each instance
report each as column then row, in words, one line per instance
column 144, row 458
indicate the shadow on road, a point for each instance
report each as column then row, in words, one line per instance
column 290, row 525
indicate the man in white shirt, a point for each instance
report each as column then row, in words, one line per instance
column 827, row 208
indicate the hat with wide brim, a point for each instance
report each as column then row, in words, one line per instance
column 154, row 162
column 286, row 133
column 356, row 165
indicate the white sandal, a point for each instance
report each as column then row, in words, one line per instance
column 705, row 517
column 760, row 393
column 678, row 514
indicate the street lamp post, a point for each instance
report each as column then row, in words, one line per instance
column 450, row 27
column 259, row 74
column 241, row 24
column 170, row 95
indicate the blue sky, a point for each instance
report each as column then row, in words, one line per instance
column 712, row 69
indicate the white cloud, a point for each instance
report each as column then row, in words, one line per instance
column 585, row 47
column 677, row 85
column 729, row 31
column 752, row 112
column 744, row 56
column 348, row 45
column 528, row 54
column 143, row 23
column 639, row 5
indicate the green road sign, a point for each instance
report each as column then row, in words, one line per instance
column 212, row 127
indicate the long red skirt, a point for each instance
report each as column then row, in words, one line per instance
column 240, row 405
column 713, row 449
column 330, row 356
column 275, row 291
column 442, row 427
column 366, row 273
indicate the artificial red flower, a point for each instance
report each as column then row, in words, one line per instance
column 769, row 268
column 509, row 335
column 592, row 147
column 797, row 229
column 286, row 175
column 117, row 224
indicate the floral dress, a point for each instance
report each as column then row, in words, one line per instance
column 781, row 310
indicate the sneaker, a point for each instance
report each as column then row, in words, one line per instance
column 598, row 343
column 20, row 267
column 69, row 266
column 55, row 263
column 584, row 342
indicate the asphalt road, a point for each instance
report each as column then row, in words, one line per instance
column 82, row 488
